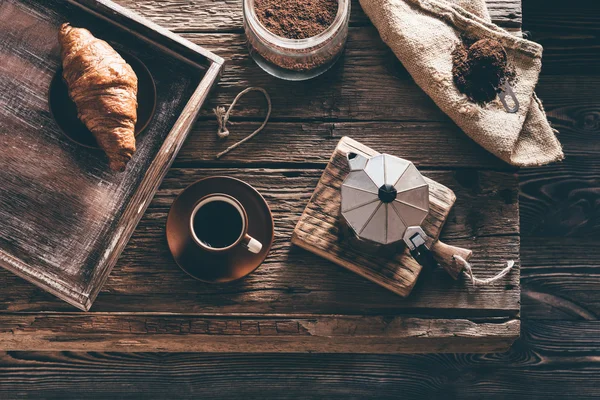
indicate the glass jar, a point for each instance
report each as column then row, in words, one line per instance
column 296, row 59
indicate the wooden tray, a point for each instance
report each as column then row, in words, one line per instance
column 65, row 217
column 319, row 229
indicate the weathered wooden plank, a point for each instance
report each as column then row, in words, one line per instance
column 570, row 34
column 427, row 144
column 552, row 360
column 293, row 280
column 568, row 91
column 226, row 16
column 332, row 334
column 561, row 199
column 560, row 278
column 579, row 127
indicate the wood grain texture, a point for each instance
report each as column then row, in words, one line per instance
column 552, row 359
column 368, row 84
column 313, row 142
column 561, row 200
column 577, row 117
column 331, row 334
column 560, row 278
column 570, row 34
column 320, row 229
column 369, row 72
column 66, row 217
column 226, row 16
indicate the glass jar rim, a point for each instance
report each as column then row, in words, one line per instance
column 305, row 43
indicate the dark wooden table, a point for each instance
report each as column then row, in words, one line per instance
column 558, row 352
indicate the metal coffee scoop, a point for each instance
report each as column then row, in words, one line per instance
column 508, row 90
column 385, row 200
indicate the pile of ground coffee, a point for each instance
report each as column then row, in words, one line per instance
column 480, row 69
column 296, row 19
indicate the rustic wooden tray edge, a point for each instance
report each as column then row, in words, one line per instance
column 210, row 68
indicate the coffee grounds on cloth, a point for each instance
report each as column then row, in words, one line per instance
column 296, row 19
column 481, row 70
column 423, row 35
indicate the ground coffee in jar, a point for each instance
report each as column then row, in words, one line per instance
column 296, row 19
column 296, row 39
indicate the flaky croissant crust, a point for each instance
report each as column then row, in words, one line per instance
column 104, row 88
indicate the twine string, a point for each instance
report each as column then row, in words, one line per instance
column 223, row 119
column 468, row 270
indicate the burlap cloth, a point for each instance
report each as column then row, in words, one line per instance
column 423, row 34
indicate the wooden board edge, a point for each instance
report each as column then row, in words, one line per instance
column 311, row 334
column 402, row 291
column 451, row 203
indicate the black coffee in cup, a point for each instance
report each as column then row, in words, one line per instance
column 218, row 224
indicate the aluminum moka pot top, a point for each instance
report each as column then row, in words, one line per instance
column 384, row 196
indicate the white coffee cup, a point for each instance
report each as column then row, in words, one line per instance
column 219, row 223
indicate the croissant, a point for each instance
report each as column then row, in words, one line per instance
column 104, row 89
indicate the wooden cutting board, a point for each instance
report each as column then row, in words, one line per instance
column 320, row 230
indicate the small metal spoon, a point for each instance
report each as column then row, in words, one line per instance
column 508, row 90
